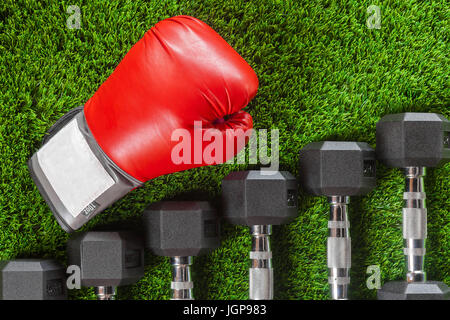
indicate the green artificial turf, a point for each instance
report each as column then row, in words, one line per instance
column 323, row 76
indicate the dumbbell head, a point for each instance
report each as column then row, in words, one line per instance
column 32, row 279
column 401, row 290
column 413, row 140
column 181, row 228
column 259, row 197
column 107, row 258
column 335, row 168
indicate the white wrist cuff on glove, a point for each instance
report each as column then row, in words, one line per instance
column 75, row 176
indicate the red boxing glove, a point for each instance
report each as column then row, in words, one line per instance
column 175, row 84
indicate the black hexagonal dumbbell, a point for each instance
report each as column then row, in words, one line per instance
column 260, row 199
column 32, row 279
column 181, row 230
column 107, row 259
column 338, row 170
column 413, row 141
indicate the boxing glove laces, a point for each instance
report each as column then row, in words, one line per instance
column 181, row 79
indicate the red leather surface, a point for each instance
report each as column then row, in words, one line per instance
column 181, row 71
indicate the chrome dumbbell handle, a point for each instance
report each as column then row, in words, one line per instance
column 338, row 248
column 414, row 224
column 261, row 272
column 105, row 292
column 181, row 284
